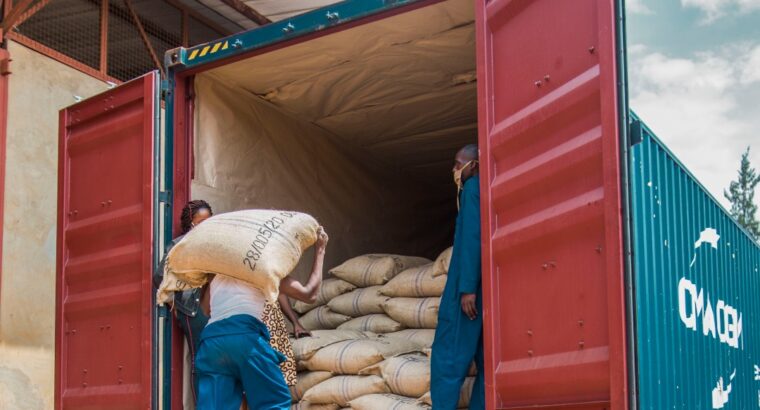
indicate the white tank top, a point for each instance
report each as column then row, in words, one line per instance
column 230, row 297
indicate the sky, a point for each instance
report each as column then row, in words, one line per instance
column 694, row 78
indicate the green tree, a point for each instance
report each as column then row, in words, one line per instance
column 741, row 193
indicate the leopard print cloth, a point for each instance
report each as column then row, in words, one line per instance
column 278, row 330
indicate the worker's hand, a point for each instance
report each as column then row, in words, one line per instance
column 322, row 238
column 468, row 305
column 299, row 331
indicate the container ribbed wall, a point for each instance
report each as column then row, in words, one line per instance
column 697, row 290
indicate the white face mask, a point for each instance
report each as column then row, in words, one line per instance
column 458, row 174
column 458, row 178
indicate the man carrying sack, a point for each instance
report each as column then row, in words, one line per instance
column 249, row 254
column 235, row 354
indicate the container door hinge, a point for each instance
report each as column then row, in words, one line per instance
column 165, row 90
column 635, row 132
column 165, row 197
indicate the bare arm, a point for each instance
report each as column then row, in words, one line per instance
column 308, row 293
column 298, row 328
column 286, row 308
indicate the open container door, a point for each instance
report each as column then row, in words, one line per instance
column 104, row 306
column 549, row 134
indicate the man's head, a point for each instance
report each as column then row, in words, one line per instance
column 466, row 163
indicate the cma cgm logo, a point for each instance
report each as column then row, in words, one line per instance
column 697, row 311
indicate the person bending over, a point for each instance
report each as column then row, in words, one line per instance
column 235, row 355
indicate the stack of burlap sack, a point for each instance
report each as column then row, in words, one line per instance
column 376, row 293
column 373, row 325
column 374, row 320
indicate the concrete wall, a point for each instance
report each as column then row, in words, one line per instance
column 39, row 88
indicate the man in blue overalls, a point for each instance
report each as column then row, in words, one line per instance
column 459, row 335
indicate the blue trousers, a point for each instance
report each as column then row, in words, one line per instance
column 458, row 341
column 235, row 357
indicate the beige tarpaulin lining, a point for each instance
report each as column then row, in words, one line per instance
column 385, row 86
column 251, row 155
column 357, row 128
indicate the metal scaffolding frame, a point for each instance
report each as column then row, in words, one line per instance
column 16, row 12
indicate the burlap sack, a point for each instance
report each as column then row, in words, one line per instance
column 360, row 302
column 375, row 269
column 351, row 356
column 306, row 381
column 415, row 283
column 322, row 318
column 441, row 265
column 343, row 389
column 305, row 347
column 414, row 313
column 308, row 406
column 258, row 246
column 377, row 323
column 385, row 402
column 423, row 337
column 407, row 375
column 465, row 394
column 330, row 289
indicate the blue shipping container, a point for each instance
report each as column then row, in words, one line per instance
column 697, row 287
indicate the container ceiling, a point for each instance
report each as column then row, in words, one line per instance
column 402, row 88
column 273, row 10
column 277, row 10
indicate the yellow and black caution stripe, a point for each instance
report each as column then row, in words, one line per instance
column 208, row 49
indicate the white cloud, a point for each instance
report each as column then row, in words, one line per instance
column 637, row 7
column 749, row 5
column 751, row 70
column 714, row 9
column 695, row 105
column 637, row 49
